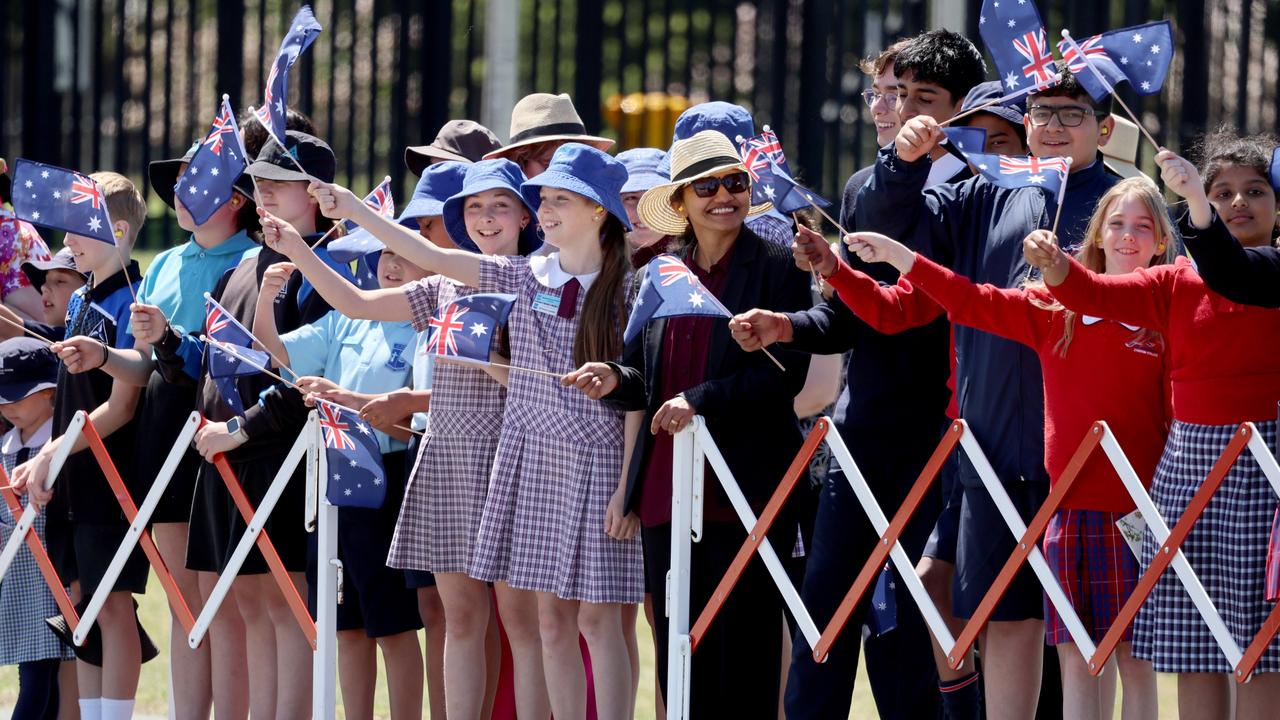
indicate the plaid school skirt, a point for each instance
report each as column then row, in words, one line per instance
column 1095, row 567
column 1227, row 548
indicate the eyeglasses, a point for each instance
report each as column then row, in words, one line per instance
column 736, row 184
column 871, row 97
column 1068, row 115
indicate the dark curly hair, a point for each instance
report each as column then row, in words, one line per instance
column 1224, row 146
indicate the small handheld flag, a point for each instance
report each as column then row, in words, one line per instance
column 771, row 178
column 231, row 355
column 1015, row 37
column 668, row 288
column 1007, row 171
column 356, row 475
column 464, row 329
column 60, row 199
column 884, row 604
column 357, row 241
column 210, row 177
column 302, row 31
column 1139, row 54
column 966, row 139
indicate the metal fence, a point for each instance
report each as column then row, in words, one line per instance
column 118, row 83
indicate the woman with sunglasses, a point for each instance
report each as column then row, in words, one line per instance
column 685, row 366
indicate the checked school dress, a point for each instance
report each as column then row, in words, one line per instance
column 559, row 456
column 436, row 531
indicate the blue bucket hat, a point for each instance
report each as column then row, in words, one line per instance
column 986, row 92
column 496, row 174
column 642, row 168
column 438, row 183
column 586, row 171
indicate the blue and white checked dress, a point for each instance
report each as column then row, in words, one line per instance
column 558, row 463
column 445, row 495
column 25, row 601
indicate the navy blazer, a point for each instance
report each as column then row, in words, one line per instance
column 746, row 400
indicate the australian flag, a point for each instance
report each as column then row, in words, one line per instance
column 1139, row 54
column 210, row 177
column 464, row 329
column 771, row 178
column 302, row 31
column 1015, row 37
column 668, row 288
column 961, row 140
column 60, row 199
column 357, row 241
column 231, row 353
column 356, row 476
column 1018, row 171
column 884, row 603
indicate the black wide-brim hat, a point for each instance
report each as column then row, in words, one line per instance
column 309, row 152
column 163, row 175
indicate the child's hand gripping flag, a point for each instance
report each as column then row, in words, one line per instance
column 1014, row 35
column 1139, row 54
column 464, row 329
column 302, row 31
column 60, row 199
column 668, row 288
column 358, row 241
column 231, row 353
column 210, row 177
column 356, row 475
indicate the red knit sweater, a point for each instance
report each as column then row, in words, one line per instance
column 1109, row 373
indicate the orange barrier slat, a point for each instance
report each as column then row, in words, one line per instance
column 1165, row 554
column 871, row 569
column 42, row 558
column 176, row 600
column 758, row 533
column 1254, row 652
column 1027, row 543
column 297, row 605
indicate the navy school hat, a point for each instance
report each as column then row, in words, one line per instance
column 586, row 171
column 277, row 163
column 26, row 366
column 983, row 93
column 643, row 166
column 725, row 118
column 495, row 174
column 163, row 175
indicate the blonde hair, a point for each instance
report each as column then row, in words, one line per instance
column 1091, row 255
column 124, row 202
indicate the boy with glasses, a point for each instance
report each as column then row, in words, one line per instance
column 977, row 229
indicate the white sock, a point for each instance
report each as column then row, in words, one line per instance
column 91, row 709
column 116, row 709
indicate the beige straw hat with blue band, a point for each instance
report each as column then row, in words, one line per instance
column 705, row 154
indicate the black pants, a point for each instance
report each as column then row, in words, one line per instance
column 904, row 679
column 737, row 664
column 37, row 690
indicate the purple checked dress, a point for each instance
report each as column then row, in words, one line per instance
column 443, row 500
column 558, row 463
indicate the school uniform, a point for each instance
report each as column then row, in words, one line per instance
column 559, row 453
column 176, row 283
column 1223, row 371
column 1111, row 372
column 423, row 367
column 976, row 229
column 437, row 528
column 367, row 357
column 86, row 523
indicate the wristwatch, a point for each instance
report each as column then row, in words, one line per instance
column 235, row 428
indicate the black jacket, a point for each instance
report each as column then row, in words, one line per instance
column 746, row 400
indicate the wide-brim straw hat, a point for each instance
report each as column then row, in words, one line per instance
column 707, row 153
column 543, row 117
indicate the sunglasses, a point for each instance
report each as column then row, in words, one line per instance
column 736, row 184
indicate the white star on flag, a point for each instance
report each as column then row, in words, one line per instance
column 982, row 19
column 95, row 224
column 347, row 492
column 882, row 605
column 191, row 189
column 1137, row 38
column 1124, row 60
column 1146, row 85
column 35, row 215
column 695, row 299
column 44, row 174
column 1011, row 80
column 206, row 192
column 364, row 429
column 377, row 481
column 354, row 463
column 57, row 195
column 27, row 184
column 478, row 329
column 768, row 190
column 336, row 477
column 982, row 166
column 1012, row 22
column 195, row 171
column 213, row 171
column 1155, row 49
column 1037, row 179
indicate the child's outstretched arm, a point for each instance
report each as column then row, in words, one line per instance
column 336, row 290
column 339, row 203
column 264, row 315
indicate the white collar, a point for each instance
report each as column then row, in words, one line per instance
column 943, row 169
column 1091, row 320
column 547, row 271
column 12, row 440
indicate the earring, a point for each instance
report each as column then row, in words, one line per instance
column 679, row 208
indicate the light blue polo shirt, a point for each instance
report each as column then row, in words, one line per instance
column 180, row 276
column 364, row 356
column 423, row 363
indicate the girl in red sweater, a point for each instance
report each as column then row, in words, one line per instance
column 1126, row 385
column 1224, row 367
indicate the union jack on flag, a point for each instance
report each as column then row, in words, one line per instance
column 1015, row 37
column 353, row 458
column 1140, row 54
column 61, row 199
column 471, row 339
column 231, row 353
column 771, row 178
column 210, row 178
column 1005, row 171
column 380, row 200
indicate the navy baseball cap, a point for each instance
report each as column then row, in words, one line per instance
column 26, row 366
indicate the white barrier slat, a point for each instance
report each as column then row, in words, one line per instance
column 1267, row 461
column 28, row 517
column 137, row 527
column 1084, row 643
column 1160, row 531
column 250, row 536
column 699, row 470
column 679, row 647
column 901, row 561
column 324, row 666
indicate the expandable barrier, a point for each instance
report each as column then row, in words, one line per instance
column 695, row 448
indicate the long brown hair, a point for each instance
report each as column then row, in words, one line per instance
column 599, row 335
column 1091, row 255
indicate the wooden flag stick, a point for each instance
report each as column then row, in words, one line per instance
column 1062, row 196
column 24, row 329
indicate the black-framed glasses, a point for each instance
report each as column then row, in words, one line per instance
column 736, row 183
column 871, row 97
column 1068, row 115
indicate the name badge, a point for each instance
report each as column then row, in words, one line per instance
column 546, row 303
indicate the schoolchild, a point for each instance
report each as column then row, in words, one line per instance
column 55, row 280
column 30, row 373
column 541, row 123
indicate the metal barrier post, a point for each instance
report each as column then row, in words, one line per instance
column 324, row 665
column 679, row 647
